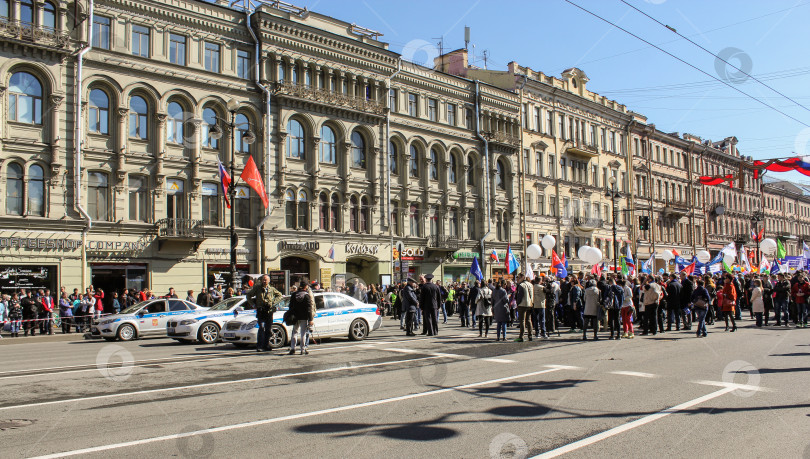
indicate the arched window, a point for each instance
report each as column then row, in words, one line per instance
column 354, row 213
column 243, row 126
column 500, row 176
column 209, row 119
column 434, row 164
column 14, row 189
column 364, row 215
column 138, row 117
column 289, row 208
column 334, row 214
column 4, row 7
column 174, row 123
column 392, row 158
column 303, row 210
column 282, row 71
column 36, row 191
column 453, row 170
column 295, row 140
column 99, row 112
column 25, row 98
column 26, row 11
column 97, row 196
column 323, row 212
column 295, row 73
column 358, row 150
column 470, row 172
column 48, row 15
column 413, row 170
column 414, row 220
column 328, row 145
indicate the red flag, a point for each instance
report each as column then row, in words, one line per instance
column 689, row 270
column 675, row 252
column 253, row 179
column 224, row 182
column 597, row 269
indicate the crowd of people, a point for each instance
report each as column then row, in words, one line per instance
column 535, row 308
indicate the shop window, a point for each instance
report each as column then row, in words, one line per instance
column 25, row 98
column 138, row 123
column 296, row 146
column 328, row 145
column 174, row 124
column 303, row 210
column 97, row 196
column 99, row 113
column 138, row 198
column 210, row 204
column 242, row 207
column 36, row 191
column 14, row 189
column 358, row 150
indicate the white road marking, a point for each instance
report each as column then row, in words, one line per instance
column 498, row 360
column 296, row 416
column 634, row 373
column 564, row 367
column 434, row 354
column 220, row 383
column 631, row 425
column 733, row 386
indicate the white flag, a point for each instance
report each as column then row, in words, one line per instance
column 730, row 249
column 745, row 262
column 764, row 266
column 529, row 271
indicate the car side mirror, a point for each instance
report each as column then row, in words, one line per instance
column 142, row 312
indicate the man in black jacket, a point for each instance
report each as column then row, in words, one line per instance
column 29, row 311
column 674, row 308
column 430, row 300
column 204, row 299
column 409, row 306
column 687, row 288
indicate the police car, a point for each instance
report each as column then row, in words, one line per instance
column 336, row 315
column 147, row 318
column 204, row 325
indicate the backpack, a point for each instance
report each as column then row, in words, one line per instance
column 607, row 298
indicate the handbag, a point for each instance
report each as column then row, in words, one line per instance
column 700, row 303
column 289, row 317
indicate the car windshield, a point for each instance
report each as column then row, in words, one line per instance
column 135, row 307
column 227, row 304
column 283, row 304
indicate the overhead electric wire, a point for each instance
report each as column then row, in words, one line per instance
column 673, row 30
column 687, row 63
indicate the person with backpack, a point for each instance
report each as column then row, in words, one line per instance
column 302, row 306
column 483, row 309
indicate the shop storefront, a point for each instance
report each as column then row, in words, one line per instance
column 13, row 278
column 363, row 263
column 408, row 263
column 220, row 274
column 37, row 260
column 117, row 277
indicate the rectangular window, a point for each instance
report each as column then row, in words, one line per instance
column 101, row 32
column 541, row 204
column 595, row 174
column 550, row 123
column 433, row 105
column 177, row 49
column 538, row 161
column 242, row 208
column 561, row 127
column 527, row 165
column 413, row 105
column 212, row 57
column 468, row 118
column 210, row 204
column 622, row 147
column 243, row 64
column 451, row 114
column 137, row 199
column 392, row 100
column 552, row 205
column 603, row 139
column 552, row 167
column 538, row 120
column 571, row 128
column 563, row 169
column 566, row 211
column 524, row 115
column 528, row 202
column 140, row 41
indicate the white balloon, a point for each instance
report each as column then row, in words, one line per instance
column 667, row 255
column 594, row 255
column 768, row 246
column 729, row 259
column 533, row 252
column 582, row 253
column 548, row 242
column 704, row 256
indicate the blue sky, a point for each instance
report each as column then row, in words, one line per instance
column 768, row 39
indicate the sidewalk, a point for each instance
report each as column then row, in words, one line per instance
column 56, row 337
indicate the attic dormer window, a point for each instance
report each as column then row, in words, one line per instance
column 574, row 82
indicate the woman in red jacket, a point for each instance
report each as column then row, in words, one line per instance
column 728, row 302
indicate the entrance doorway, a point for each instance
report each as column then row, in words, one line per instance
column 115, row 278
column 367, row 269
column 298, row 267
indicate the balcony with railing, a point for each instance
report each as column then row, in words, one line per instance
column 582, row 147
column 180, row 230
column 587, row 223
column 443, row 243
column 675, row 208
column 31, row 33
column 330, row 98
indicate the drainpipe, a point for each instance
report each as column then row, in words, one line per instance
column 267, row 144
column 521, row 172
column 387, row 162
column 486, row 173
column 77, row 142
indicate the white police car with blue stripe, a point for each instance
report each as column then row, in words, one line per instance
column 204, row 326
column 336, row 315
column 147, row 318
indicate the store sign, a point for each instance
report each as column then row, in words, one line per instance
column 326, row 278
column 221, row 250
column 413, row 254
column 38, row 243
column 299, row 246
column 362, row 249
column 16, row 277
column 468, row 255
column 117, row 246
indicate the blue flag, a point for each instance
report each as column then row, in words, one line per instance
column 717, row 259
column 512, row 264
column 475, row 269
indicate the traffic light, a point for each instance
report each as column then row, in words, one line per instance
column 644, row 223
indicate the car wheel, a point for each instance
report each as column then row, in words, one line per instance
column 208, row 333
column 358, row 330
column 126, row 332
column 278, row 336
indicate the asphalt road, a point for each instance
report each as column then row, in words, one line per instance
column 742, row 394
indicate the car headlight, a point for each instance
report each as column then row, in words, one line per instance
column 250, row 325
column 105, row 322
column 188, row 321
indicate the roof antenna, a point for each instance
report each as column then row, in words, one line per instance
column 466, row 38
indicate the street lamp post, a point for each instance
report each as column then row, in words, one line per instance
column 613, row 194
column 757, row 217
column 215, row 132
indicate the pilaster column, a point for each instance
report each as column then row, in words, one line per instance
column 196, row 155
column 282, row 162
column 56, row 153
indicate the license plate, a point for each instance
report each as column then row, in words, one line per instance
column 229, row 335
column 169, row 330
